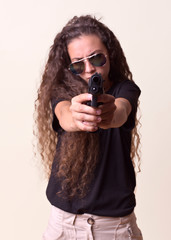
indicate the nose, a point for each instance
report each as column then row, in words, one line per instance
column 89, row 68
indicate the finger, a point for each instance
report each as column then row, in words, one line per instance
column 105, row 98
column 86, row 117
column 107, row 107
column 106, row 118
column 86, row 127
column 83, row 108
column 90, row 124
column 82, row 98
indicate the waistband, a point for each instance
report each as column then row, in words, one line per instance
column 70, row 218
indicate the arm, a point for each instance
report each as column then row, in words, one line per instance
column 123, row 109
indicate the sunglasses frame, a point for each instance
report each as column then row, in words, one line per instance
column 85, row 59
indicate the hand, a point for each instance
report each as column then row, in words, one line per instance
column 107, row 110
column 85, row 117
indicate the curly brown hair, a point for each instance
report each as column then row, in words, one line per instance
column 59, row 83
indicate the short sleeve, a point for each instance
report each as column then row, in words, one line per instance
column 130, row 91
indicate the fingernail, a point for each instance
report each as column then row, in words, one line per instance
column 99, row 119
column 98, row 112
column 89, row 97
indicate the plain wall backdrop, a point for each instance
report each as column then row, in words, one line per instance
column 27, row 30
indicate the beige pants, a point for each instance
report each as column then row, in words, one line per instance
column 67, row 226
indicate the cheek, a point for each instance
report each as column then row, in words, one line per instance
column 107, row 67
column 105, row 71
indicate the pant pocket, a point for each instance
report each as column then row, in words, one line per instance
column 134, row 232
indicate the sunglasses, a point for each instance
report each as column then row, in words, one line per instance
column 97, row 60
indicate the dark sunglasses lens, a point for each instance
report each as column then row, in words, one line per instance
column 77, row 68
column 98, row 60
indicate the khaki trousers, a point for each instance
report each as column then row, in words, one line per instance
column 67, row 226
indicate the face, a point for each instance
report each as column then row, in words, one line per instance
column 84, row 47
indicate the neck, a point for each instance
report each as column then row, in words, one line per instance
column 107, row 85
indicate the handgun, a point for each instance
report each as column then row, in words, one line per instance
column 95, row 87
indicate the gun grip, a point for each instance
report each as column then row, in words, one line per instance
column 94, row 101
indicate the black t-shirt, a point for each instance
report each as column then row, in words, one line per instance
column 112, row 189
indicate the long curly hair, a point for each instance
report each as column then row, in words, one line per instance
column 59, row 83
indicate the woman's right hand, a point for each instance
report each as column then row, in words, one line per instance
column 85, row 118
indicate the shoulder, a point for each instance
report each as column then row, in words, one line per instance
column 126, row 87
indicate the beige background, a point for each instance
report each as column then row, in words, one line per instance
column 27, row 30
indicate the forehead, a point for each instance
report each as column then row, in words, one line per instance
column 84, row 46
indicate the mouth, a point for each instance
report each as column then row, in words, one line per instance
column 87, row 79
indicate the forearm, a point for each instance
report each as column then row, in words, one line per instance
column 64, row 116
column 119, row 118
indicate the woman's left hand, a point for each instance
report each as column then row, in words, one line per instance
column 108, row 108
column 114, row 112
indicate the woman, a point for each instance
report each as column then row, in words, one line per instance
column 89, row 152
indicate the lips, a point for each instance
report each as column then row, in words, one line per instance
column 87, row 79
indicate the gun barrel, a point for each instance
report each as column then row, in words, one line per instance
column 95, row 88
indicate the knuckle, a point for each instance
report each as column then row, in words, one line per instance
column 73, row 100
column 95, row 119
column 71, row 108
column 83, row 128
column 80, row 108
column 82, row 117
